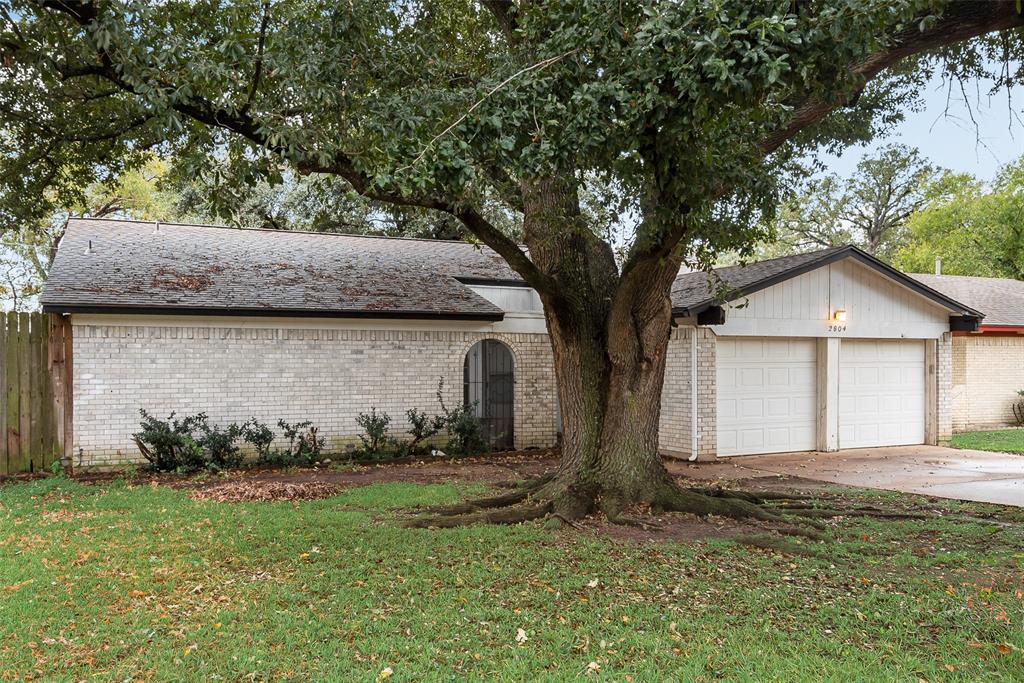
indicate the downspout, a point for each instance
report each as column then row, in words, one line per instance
column 693, row 394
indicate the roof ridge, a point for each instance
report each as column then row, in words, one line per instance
column 968, row 277
column 90, row 219
column 816, row 252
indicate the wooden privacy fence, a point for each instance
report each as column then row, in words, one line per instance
column 35, row 391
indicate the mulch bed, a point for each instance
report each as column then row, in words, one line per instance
column 247, row 491
column 491, row 468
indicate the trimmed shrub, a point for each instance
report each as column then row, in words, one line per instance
column 375, row 428
column 465, row 433
column 219, row 446
column 304, row 444
column 169, row 445
column 421, row 428
column 260, row 437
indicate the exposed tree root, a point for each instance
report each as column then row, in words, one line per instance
column 505, row 515
column 757, row 498
column 564, row 504
column 638, row 522
column 559, row 519
column 503, row 500
column 827, row 513
column 521, row 491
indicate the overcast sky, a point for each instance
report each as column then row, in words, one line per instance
column 950, row 139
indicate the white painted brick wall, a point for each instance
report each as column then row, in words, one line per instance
column 328, row 376
column 944, row 396
column 676, row 416
column 988, row 371
column 674, row 428
column 707, row 394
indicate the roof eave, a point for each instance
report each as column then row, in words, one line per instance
column 70, row 309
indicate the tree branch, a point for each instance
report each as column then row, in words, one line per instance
column 505, row 13
column 258, row 70
column 241, row 123
column 962, row 20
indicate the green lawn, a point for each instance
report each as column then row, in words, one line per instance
column 1003, row 440
column 115, row 582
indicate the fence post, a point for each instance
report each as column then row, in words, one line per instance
column 60, row 365
column 25, row 388
column 4, row 464
column 11, row 360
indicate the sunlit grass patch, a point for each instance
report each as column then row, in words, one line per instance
column 122, row 580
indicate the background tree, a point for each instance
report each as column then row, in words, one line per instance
column 868, row 209
column 688, row 109
column 28, row 246
column 976, row 230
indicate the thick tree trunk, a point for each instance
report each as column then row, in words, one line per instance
column 609, row 334
column 610, row 387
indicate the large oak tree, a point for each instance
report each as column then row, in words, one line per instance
column 686, row 108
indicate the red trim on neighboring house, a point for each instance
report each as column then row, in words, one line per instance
column 994, row 331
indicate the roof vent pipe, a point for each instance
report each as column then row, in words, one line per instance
column 156, row 230
column 938, row 265
column 88, row 249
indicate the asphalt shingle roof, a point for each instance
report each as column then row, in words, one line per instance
column 112, row 263
column 1001, row 299
column 134, row 265
column 695, row 290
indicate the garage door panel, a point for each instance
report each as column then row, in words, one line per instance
column 777, row 407
column 803, row 376
column 881, row 393
column 727, row 441
column 726, row 408
column 751, row 407
column 894, row 404
column 769, row 407
column 751, row 377
column 753, row 439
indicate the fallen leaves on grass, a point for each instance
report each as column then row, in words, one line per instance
column 266, row 491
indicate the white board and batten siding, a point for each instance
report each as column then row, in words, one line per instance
column 522, row 306
column 510, row 299
column 802, row 306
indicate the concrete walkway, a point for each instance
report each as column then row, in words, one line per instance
column 979, row 476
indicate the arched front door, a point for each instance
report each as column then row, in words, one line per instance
column 489, row 386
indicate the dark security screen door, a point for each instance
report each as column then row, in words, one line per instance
column 489, row 382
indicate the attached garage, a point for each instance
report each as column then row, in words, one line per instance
column 815, row 352
column 881, row 393
column 766, row 395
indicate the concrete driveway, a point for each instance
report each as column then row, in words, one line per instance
column 930, row 470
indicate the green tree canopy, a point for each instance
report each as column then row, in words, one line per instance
column 687, row 111
column 869, row 209
column 975, row 229
column 27, row 247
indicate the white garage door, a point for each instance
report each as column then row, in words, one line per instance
column 766, row 395
column 881, row 393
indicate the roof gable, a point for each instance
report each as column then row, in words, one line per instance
column 693, row 293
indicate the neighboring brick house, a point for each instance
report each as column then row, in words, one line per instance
column 812, row 352
column 988, row 363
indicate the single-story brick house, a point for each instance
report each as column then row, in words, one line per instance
column 988, row 363
column 819, row 351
